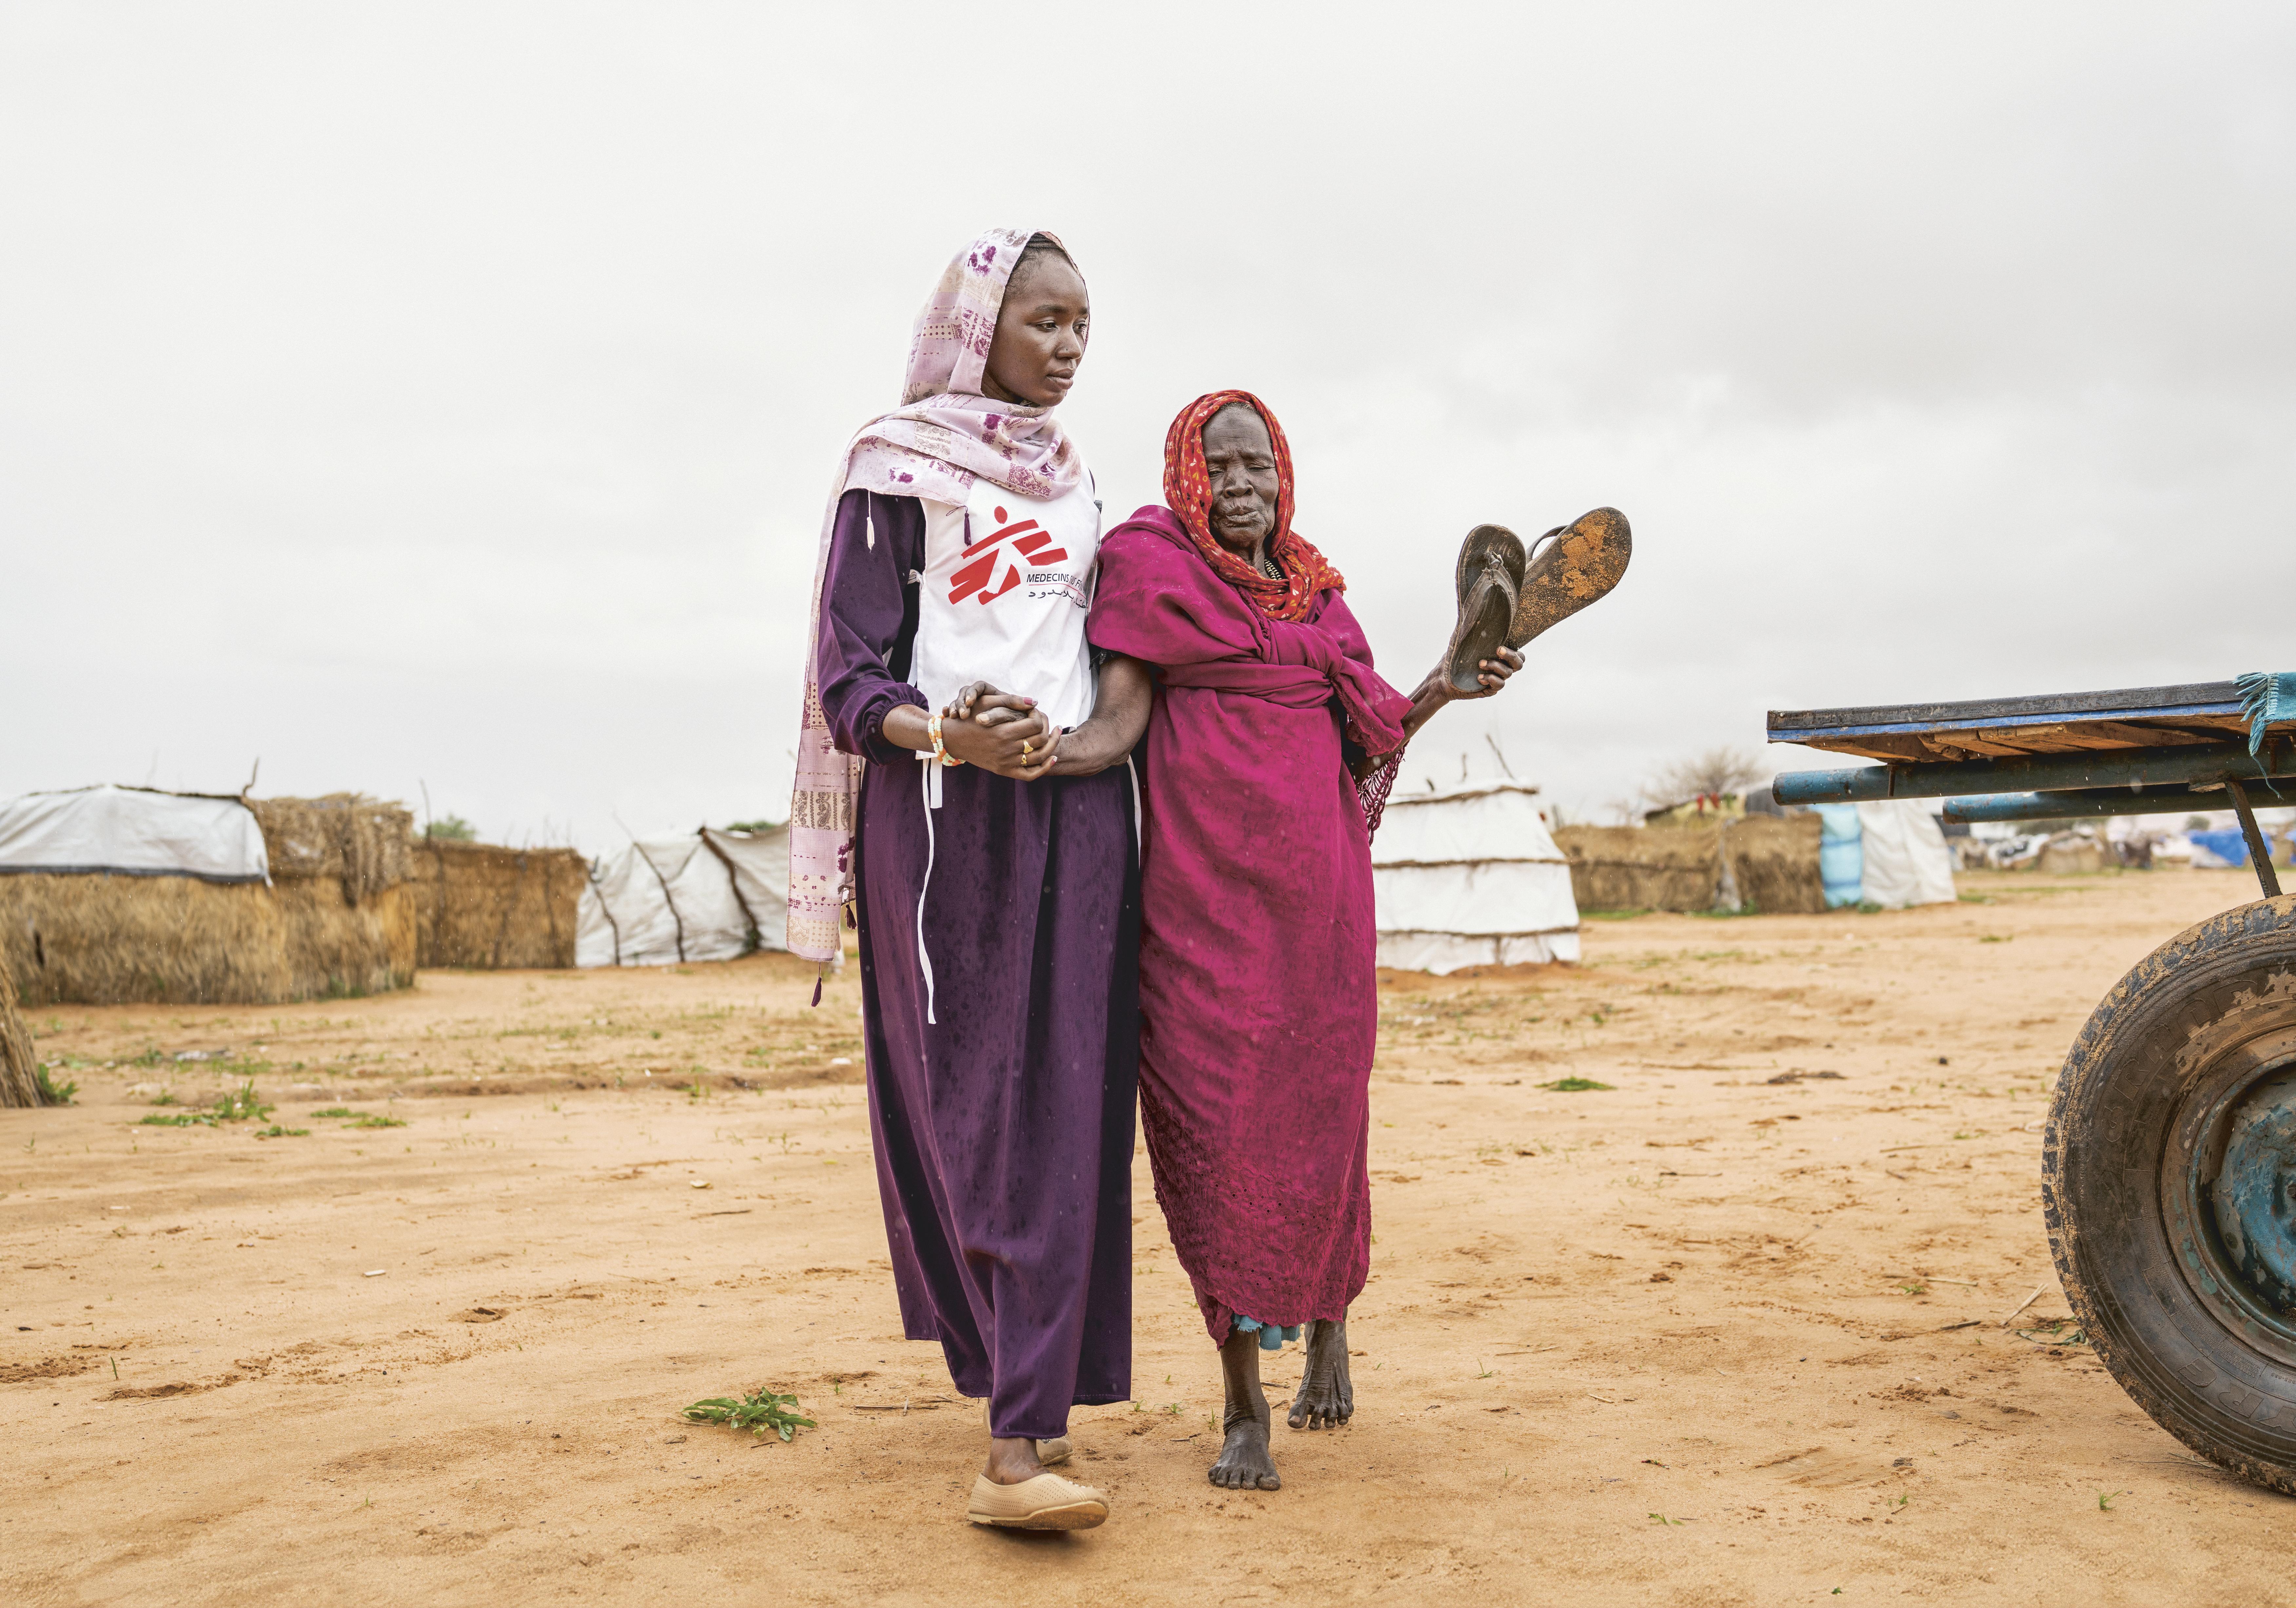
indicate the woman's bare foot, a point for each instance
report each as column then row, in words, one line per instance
column 1326, row 1397
column 1010, row 1461
column 1244, row 1460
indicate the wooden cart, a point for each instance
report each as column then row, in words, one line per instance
column 2168, row 1166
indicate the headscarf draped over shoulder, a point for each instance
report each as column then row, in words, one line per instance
column 1187, row 490
column 945, row 435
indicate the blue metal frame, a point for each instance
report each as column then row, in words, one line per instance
column 2103, row 802
column 2111, row 767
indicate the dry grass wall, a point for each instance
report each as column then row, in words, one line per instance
column 1772, row 860
column 20, row 1084
column 177, row 940
column 479, row 906
column 1643, row 867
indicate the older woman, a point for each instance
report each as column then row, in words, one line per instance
column 996, row 902
column 1270, row 745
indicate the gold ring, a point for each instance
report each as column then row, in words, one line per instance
column 1026, row 750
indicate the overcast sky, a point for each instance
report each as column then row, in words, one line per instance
column 447, row 394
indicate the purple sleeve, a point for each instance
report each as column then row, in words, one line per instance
column 869, row 620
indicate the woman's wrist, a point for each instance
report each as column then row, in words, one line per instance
column 1088, row 749
column 908, row 725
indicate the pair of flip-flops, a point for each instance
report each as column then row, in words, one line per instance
column 1508, row 595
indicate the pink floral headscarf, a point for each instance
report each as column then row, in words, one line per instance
column 943, row 436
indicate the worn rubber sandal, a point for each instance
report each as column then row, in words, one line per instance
column 1490, row 581
column 1581, row 564
column 1044, row 1501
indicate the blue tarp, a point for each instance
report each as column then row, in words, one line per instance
column 2229, row 844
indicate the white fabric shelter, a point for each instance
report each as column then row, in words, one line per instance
column 133, row 832
column 1470, row 876
column 708, row 895
column 1907, row 859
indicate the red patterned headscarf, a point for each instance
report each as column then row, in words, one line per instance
column 1187, row 489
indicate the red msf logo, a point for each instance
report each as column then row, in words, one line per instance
column 1030, row 540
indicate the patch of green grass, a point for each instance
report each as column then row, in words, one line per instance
column 1611, row 915
column 165, row 1098
column 756, row 1411
column 53, row 1093
column 241, row 1104
column 1997, row 938
column 371, row 1121
column 276, row 1132
column 339, row 1111
column 1573, row 1086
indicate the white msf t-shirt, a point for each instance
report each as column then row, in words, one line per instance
column 1007, row 582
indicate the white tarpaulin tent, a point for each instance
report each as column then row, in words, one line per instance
column 1907, row 859
column 133, row 832
column 1471, row 877
column 708, row 895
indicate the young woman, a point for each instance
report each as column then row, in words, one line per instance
column 1271, row 745
column 997, row 902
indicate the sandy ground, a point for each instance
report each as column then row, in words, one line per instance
column 1687, row 1339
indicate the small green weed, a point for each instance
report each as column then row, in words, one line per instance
column 371, row 1121
column 50, row 1093
column 339, row 1111
column 164, row 1097
column 758, row 1412
column 241, row 1104
column 2104, row 1499
column 276, row 1132
column 1573, row 1086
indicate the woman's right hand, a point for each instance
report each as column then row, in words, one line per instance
column 1000, row 732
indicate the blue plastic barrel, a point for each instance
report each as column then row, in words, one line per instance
column 1842, row 855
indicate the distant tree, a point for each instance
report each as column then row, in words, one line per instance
column 452, row 829
column 1717, row 770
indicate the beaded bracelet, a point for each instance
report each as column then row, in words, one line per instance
column 932, row 729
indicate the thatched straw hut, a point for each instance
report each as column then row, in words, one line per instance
column 477, row 905
column 119, row 895
column 20, row 1083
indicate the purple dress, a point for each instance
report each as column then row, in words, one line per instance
column 1003, row 1134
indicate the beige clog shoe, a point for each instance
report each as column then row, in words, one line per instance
column 1044, row 1501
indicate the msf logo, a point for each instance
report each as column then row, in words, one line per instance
column 1031, row 543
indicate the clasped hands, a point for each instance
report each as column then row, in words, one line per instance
column 1000, row 732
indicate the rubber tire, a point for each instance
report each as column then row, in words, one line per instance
column 2140, row 1061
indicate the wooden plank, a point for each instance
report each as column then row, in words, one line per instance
column 2202, row 699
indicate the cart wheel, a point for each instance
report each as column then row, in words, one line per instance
column 2169, row 1180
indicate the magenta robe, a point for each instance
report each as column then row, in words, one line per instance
column 1258, row 1005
